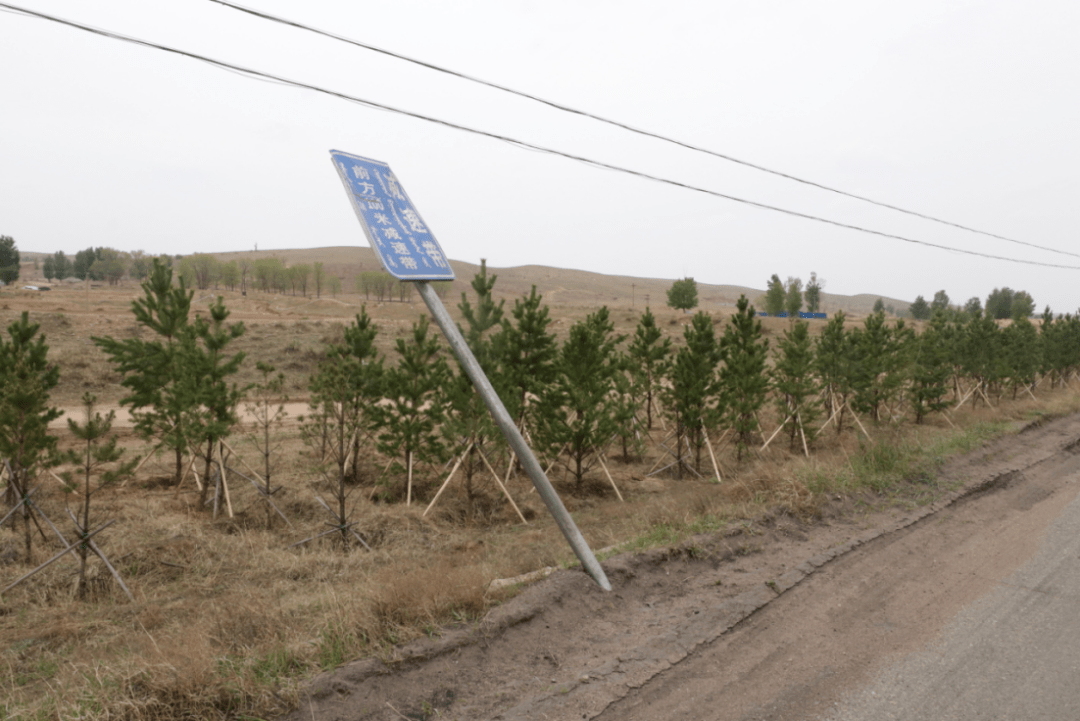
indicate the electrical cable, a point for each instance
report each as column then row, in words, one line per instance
column 255, row 74
column 625, row 126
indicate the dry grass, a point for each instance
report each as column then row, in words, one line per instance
column 228, row 620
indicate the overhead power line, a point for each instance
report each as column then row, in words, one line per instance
column 625, row 126
column 256, row 74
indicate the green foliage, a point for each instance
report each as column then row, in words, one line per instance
column 649, row 354
column 930, row 369
column 318, row 277
column 581, row 397
column 813, row 293
column 269, row 275
column 345, row 391
column 973, row 307
column 940, row 302
column 47, row 268
column 682, row 295
column 980, row 348
column 1023, row 306
column 795, row 383
column 692, row 398
column 527, row 355
column 1006, row 303
column 469, row 423
column 920, row 309
column 775, row 296
column 1022, row 353
column 230, row 274
column 377, row 282
column 141, row 265
column 879, row 306
column 793, row 300
column 837, row 366
column 26, row 377
column 206, row 369
column 160, row 394
column 414, row 389
column 9, row 260
column 83, row 260
column 743, row 378
column 878, row 364
column 109, row 266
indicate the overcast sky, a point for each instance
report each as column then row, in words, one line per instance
column 966, row 110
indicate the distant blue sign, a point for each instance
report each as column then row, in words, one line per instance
column 405, row 245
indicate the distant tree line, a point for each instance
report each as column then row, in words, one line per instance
column 1001, row 304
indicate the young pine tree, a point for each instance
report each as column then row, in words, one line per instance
column 209, row 394
column 878, row 373
column 649, row 357
column 692, row 398
column 527, row 353
column 930, row 369
column 794, row 381
column 743, row 378
column 836, row 361
column 414, row 389
column 26, row 377
column 1020, row 343
column 152, row 371
column 267, row 407
column 588, row 366
column 469, row 422
column 96, row 453
column 345, row 390
column 981, row 348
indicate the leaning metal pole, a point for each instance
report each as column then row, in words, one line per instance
column 513, row 436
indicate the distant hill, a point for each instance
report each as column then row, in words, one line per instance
column 559, row 286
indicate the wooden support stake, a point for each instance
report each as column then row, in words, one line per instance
column 262, row 494
column 600, row 457
column 964, row 399
column 802, row 433
column 408, row 490
column 241, row 459
column 985, row 397
column 712, row 457
column 856, row 417
column 225, row 481
column 775, row 432
column 446, row 483
column 502, row 487
column 945, row 415
column 100, row 554
column 835, row 411
column 57, row 557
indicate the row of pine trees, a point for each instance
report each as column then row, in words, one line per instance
column 575, row 401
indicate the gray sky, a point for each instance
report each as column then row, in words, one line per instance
column 967, row 110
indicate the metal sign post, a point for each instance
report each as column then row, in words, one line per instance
column 409, row 251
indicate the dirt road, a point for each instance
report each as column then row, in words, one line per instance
column 778, row 620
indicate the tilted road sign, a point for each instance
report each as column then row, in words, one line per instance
column 405, row 245
column 409, row 252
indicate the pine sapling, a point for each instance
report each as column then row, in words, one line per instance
column 98, row 452
column 743, row 376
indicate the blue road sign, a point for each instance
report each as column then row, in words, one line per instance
column 405, row 245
